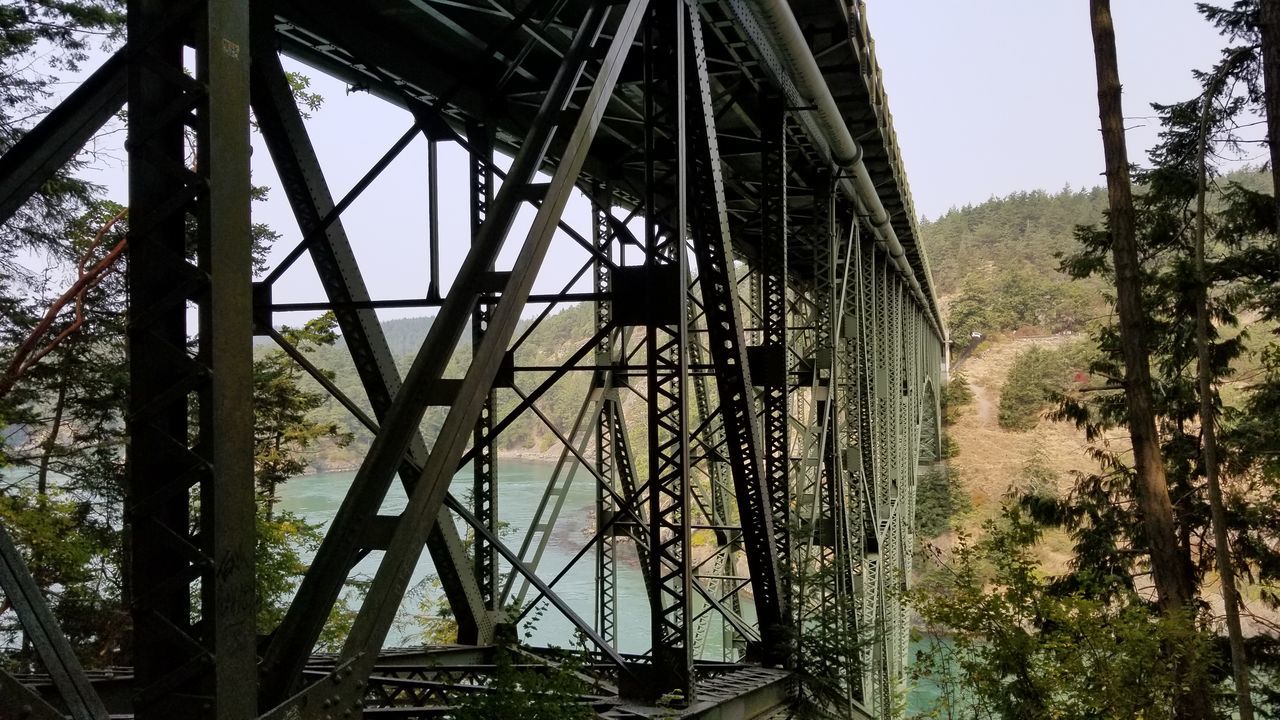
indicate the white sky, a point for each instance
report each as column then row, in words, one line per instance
column 988, row 97
column 995, row 96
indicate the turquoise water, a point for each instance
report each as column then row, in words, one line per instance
column 923, row 696
column 521, row 485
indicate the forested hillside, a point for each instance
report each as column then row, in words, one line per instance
column 996, row 264
column 1021, row 231
column 554, row 340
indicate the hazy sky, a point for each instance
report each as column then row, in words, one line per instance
column 988, row 97
column 994, row 96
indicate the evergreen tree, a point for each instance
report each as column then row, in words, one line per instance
column 1011, row 618
column 284, row 429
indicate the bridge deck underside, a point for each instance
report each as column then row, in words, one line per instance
column 469, row 64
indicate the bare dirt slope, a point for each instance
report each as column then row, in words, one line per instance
column 993, row 460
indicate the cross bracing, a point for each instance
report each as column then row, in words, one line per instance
column 764, row 366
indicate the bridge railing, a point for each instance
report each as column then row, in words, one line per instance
column 864, row 47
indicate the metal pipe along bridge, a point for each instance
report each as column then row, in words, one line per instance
column 764, row 367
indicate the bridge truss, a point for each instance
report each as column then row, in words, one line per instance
column 761, row 390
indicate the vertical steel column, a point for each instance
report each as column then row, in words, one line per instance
column 709, row 438
column 852, row 439
column 718, row 282
column 817, row 595
column 835, row 477
column 160, row 371
column 484, row 490
column 433, row 216
column 826, row 300
column 228, row 499
column 175, row 668
column 904, row 443
column 876, row 562
column 602, row 284
column 867, row 474
column 666, row 340
column 773, row 312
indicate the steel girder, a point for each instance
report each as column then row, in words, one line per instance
column 56, row 653
column 717, row 278
column 484, row 490
column 666, row 356
column 377, row 611
column 60, row 137
column 822, row 471
column 299, row 170
column 771, row 368
column 190, row 421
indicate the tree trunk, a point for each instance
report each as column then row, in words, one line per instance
column 1269, row 25
column 1208, row 414
column 50, row 444
column 1173, row 585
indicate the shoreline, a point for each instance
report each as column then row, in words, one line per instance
column 540, row 457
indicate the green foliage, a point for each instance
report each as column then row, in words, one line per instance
column 995, row 263
column 1088, row 643
column 72, row 555
column 1021, row 232
column 1038, row 376
column 1017, row 298
column 1099, row 513
column 539, row 690
column 1037, row 479
column 284, row 433
column 307, row 101
column 283, row 539
column 956, row 396
column 1008, row 643
column 39, row 38
column 63, row 500
column 432, row 622
column 939, row 498
column 950, row 448
column 283, row 427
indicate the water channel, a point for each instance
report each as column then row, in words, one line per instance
column 316, row 498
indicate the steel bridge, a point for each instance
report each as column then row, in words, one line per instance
column 764, row 368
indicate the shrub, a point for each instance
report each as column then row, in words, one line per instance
column 1037, row 376
column 939, row 498
column 955, row 395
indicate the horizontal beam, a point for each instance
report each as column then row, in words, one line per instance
column 540, row 299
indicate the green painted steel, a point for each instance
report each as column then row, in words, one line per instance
column 763, row 315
